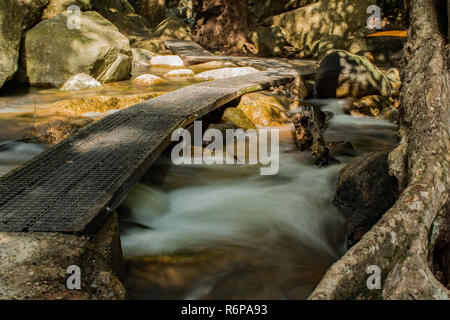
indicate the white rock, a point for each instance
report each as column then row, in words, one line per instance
column 180, row 73
column 170, row 61
column 148, row 79
column 141, row 57
column 80, row 81
column 225, row 73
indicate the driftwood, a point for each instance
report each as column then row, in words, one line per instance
column 401, row 243
column 309, row 124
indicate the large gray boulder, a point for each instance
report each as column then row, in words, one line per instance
column 365, row 191
column 305, row 26
column 15, row 17
column 342, row 74
column 53, row 52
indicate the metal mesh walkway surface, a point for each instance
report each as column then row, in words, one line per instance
column 73, row 186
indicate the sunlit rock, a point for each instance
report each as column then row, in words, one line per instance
column 148, row 80
column 180, row 73
column 53, row 52
column 169, row 61
column 80, row 81
column 342, row 74
column 264, row 110
column 237, row 118
column 141, row 57
column 225, row 73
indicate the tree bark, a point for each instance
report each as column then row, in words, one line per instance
column 223, row 25
column 402, row 241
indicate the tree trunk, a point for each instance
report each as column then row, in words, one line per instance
column 222, row 25
column 401, row 243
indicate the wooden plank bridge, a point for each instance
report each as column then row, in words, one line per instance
column 75, row 185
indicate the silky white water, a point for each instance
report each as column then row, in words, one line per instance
column 280, row 232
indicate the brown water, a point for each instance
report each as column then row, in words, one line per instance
column 226, row 232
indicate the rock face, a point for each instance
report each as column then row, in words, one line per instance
column 269, row 41
column 80, row 81
column 304, row 26
column 364, row 192
column 15, row 17
column 55, row 7
column 225, row 73
column 53, row 52
column 342, row 74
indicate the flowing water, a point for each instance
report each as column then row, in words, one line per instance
column 217, row 232
column 226, row 232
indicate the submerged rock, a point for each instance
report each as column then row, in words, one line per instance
column 168, row 61
column 225, row 73
column 342, row 74
column 180, row 73
column 148, row 79
column 365, row 191
column 53, row 52
column 80, row 81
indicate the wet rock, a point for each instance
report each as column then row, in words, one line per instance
column 304, row 26
column 58, row 130
column 263, row 109
column 55, row 7
column 342, row 74
column 168, row 61
column 100, row 104
column 269, row 41
column 148, row 80
column 309, row 124
column 237, row 118
column 54, row 53
column 365, row 191
column 374, row 106
column 141, row 57
column 80, row 81
column 341, row 149
column 180, row 73
column 225, row 73
column 15, row 18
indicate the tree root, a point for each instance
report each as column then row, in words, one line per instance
column 400, row 243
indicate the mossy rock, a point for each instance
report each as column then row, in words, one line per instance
column 238, row 118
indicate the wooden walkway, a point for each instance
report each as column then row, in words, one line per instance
column 74, row 186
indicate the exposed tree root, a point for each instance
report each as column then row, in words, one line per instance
column 401, row 242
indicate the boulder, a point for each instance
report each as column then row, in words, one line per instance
column 237, row 118
column 122, row 14
column 393, row 75
column 261, row 9
column 173, row 28
column 53, row 52
column 180, row 73
column 342, row 74
column 263, row 110
column 148, row 79
column 365, row 191
column 141, row 57
column 153, row 10
column 225, row 73
column 80, row 81
column 374, row 106
column 304, row 26
column 167, row 61
column 15, row 18
column 269, row 41
column 55, row 7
